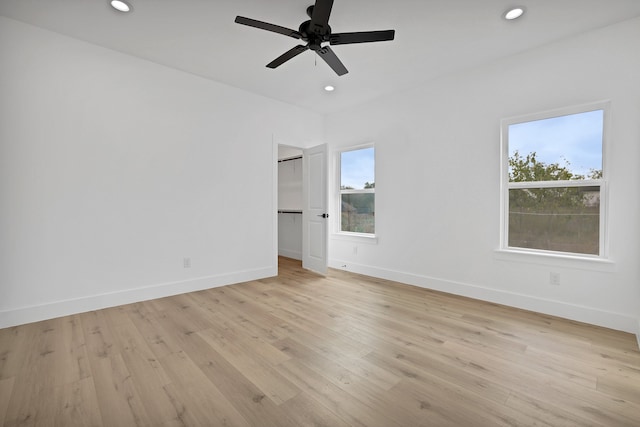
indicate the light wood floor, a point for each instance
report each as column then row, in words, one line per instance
column 302, row 350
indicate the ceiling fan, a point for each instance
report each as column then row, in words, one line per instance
column 315, row 32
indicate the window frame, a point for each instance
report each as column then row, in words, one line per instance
column 339, row 192
column 506, row 185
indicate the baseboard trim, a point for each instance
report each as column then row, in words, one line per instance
column 638, row 334
column 565, row 310
column 290, row 254
column 35, row 313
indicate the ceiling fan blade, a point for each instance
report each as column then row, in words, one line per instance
column 291, row 53
column 269, row 27
column 361, row 37
column 332, row 60
column 320, row 16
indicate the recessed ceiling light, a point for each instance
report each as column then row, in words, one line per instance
column 514, row 13
column 120, row 5
column 329, row 88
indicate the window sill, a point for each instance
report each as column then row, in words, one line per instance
column 370, row 239
column 556, row 259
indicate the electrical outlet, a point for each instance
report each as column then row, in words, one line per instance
column 186, row 262
column 554, row 278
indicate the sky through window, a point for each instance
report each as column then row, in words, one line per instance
column 574, row 138
column 357, row 168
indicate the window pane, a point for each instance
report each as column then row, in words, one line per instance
column 564, row 219
column 358, row 212
column 558, row 148
column 357, row 169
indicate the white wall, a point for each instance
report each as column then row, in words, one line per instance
column 438, row 179
column 290, row 235
column 114, row 169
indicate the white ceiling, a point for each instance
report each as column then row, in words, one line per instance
column 433, row 37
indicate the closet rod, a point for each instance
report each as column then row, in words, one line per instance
column 290, row 158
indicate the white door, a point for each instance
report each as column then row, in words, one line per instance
column 314, row 213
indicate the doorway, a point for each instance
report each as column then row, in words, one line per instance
column 301, row 193
column 290, row 202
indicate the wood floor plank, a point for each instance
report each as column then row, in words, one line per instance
column 160, row 341
column 448, row 402
column 118, row 399
column 306, row 412
column 338, row 366
column 70, row 352
column 269, row 353
column 530, row 380
column 15, row 343
column 478, row 358
column 195, row 398
column 71, row 404
column 33, row 352
column 302, row 349
column 75, row 404
column 148, row 375
column 625, row 385
column 359, row 387
column 245, row 396
column 548, row 413
column 245, row 315
column 6, row 388
column 348, row 408
column 254, row 368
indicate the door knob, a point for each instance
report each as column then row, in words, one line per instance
column 324, row 215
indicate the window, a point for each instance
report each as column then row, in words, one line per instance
column 554, row 182
column 357, row 191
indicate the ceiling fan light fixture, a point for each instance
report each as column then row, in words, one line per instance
column 513, row 13
column 120, row 6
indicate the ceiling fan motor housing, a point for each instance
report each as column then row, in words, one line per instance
column 314, row 34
